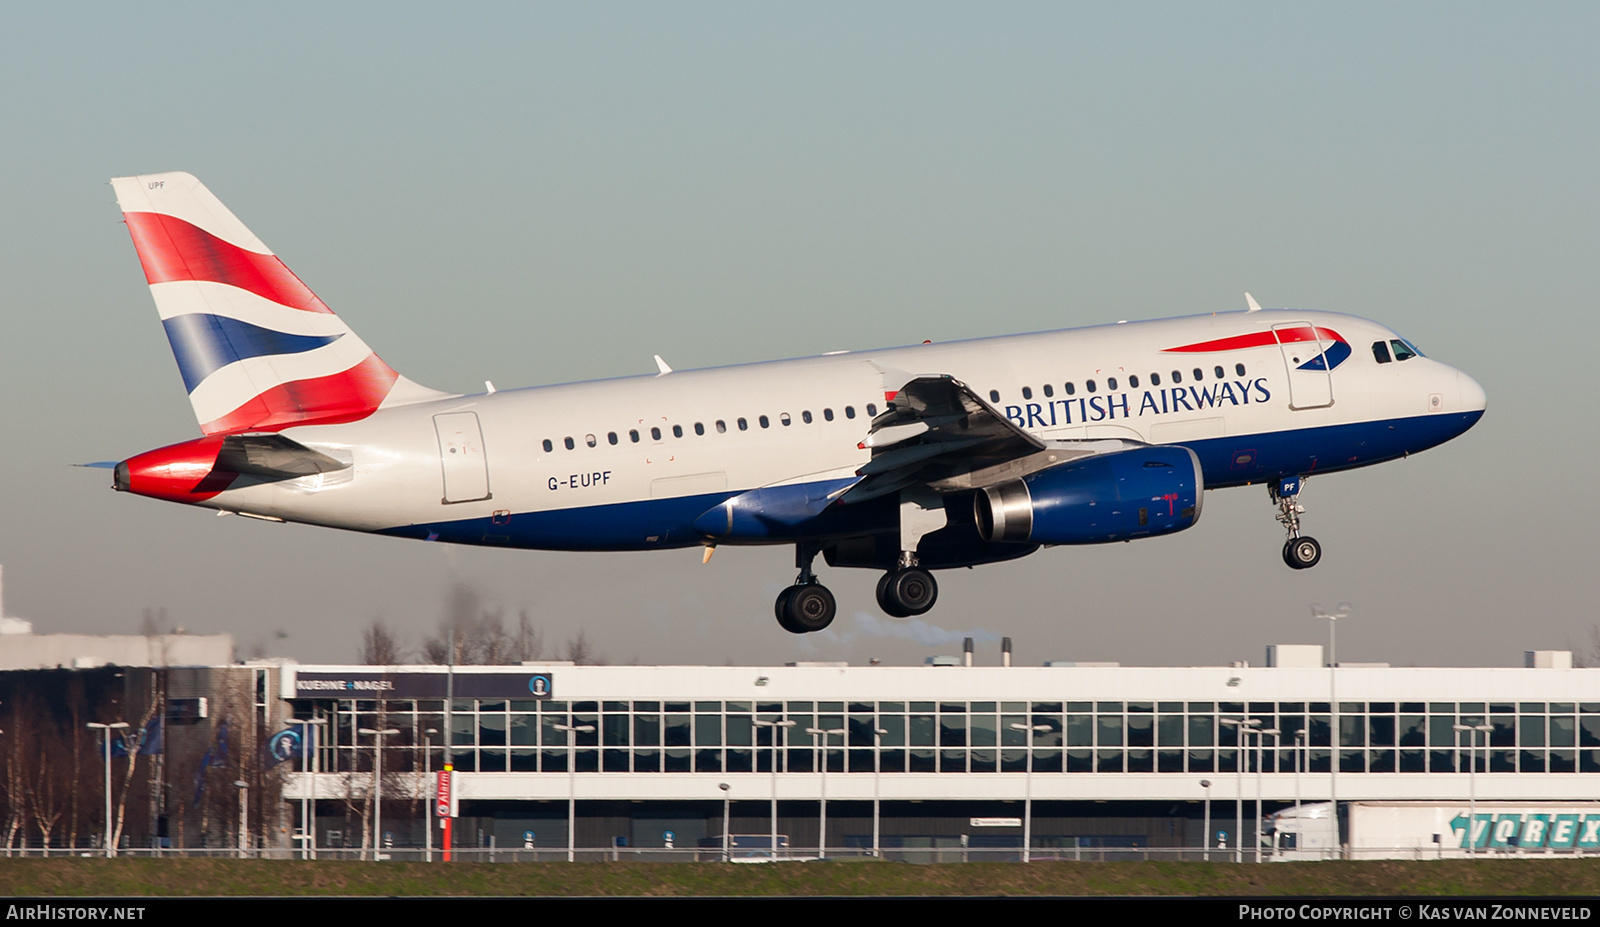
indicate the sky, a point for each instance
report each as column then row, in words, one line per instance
column 543, row 193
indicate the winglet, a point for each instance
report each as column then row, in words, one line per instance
column 1250, row 304
column 661, row 365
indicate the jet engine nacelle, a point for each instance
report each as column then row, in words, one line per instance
column 1107, row 497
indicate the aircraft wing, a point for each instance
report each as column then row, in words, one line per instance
column 937, row 432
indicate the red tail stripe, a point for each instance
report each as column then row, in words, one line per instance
column 1257, row 340
column 172, row 249
column 348, row 396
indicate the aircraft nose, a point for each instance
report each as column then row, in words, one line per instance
column 1471, row 395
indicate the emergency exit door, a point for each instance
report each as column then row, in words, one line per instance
column 466, row 469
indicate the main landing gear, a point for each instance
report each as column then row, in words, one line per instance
column 907, row 589
column 807, row 605
column 1300, row 553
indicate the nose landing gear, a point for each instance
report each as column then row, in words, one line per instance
column 1300, row 553
column 806, row 606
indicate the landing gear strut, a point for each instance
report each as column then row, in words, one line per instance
column 907, row 589
column 1300, row 553
column 807, row 605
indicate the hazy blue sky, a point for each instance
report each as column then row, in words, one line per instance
column 536, row 194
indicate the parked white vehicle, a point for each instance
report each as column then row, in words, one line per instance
column 1433, row 830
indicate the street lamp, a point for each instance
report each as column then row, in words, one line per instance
column 1240, row 760
column 1206, row 841
column 244, row 814
column 822, row 833
column 427, row 777
column 1260, row 734
column 572, row 780
column 308, row 806
column 106, row 729
column 1027, row 778
column 775, row 725
column 377, row 785
column 1343, row 611
column 724, row 787
column 1472, row 778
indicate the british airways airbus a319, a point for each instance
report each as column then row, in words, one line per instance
column 904, row 460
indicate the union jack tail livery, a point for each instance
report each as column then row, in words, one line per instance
column 258, row 351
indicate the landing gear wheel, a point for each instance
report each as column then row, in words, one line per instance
column 1302, row 553
column 907, row 592
column 781, row 609
column 805, row 608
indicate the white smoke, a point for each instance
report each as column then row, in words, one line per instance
column 869, row 626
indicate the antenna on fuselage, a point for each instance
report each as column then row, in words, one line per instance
column 661, row 365
column 1250, row 304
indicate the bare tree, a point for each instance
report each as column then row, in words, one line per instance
column 582, row 652
column 479, row 634
column 1589, row 656
column 379, row 646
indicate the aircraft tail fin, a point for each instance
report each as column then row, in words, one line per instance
column 258, row 351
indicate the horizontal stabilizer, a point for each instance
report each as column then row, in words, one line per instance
column 273, row 456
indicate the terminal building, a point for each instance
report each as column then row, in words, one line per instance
column 935, row 757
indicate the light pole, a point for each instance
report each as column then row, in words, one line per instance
column 1206, row 841
column 1343, row 611
column 106, row 729
column 377, row 786
column 308, row 806
column 427, row 777
column 877, row 775
column 724, row 787
column 244, row 815
column 1260, row 734
column 776, row 726
column 822, row 833
column 572, row 730
column 1027, row 778
column 1472, row 778
column 1240, row 761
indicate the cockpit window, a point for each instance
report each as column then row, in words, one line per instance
column 1380, row 352
column 1403, row 351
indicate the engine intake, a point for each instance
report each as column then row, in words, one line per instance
column 1107, row 497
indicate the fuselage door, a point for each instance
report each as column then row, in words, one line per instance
column 466, row 468
column 1310, row 379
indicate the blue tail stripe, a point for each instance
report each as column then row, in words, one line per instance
column 204, row 344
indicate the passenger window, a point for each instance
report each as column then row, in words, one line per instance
column 1155, row 379
column 722, row 427
column 548, row 447
column 1402, row 351
column 1071, row 389
column 1238, row 369
column 655, row 434
column 994, row 395
column 1219, row 372
column 633, row 435
column 784, row 418
column 872, row 409
column 827, row 415
column 764, row 422
column 1049, row 391
column 805, row 416
column 677, row 431
column 699, row 428
column 849, row 411
column 1111, row 382
column 1088, row 385
column 1177, row 376
column 1027, row 392
column 1199, row 374
column 1133, row 381
column 744, row 425
column 590, row 440
column 568, row 443
column 611, row 436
